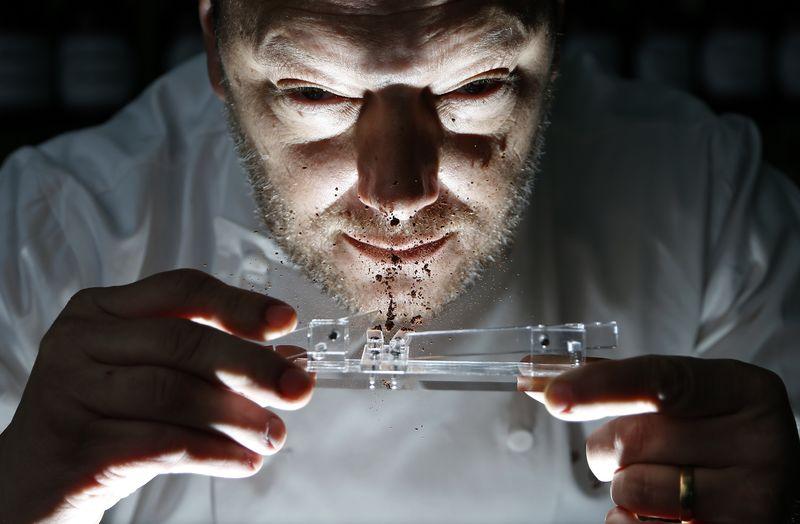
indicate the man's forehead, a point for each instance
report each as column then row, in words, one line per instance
column 356, row 7
column 525, row 8
column 384, row 39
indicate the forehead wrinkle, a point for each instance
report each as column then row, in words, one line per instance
column 361, row 54
column 306, row 38
column 495, row 44
column 254, row 20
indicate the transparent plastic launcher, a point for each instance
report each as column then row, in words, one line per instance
column 350, row 353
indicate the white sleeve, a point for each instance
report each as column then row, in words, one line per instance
column 38, row 271
column 751, row 300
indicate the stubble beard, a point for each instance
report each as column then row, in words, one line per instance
column 486, row 240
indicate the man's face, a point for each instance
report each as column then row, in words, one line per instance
column 390, row 144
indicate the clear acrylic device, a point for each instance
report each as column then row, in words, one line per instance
column 353, row 352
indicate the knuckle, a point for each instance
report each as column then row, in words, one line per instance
column 169, row 447
column 771, row 384
column 235, row 302
column 642, row 490
column 631, row 488
column 72, row 323
column 50, row 341
column 187, row 341
column 166, row 390
column 65, row 333
column 67, row 329
column 631, row 438
column 187, row 283
column 81, row 299
column 109, row 474
column 675, row 380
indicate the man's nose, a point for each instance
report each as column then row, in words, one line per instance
column 398, row 139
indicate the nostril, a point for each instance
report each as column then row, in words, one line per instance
column 401, row 200
column 403, row 214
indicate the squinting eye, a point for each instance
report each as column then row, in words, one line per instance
column 483, row 86
column 310, row 94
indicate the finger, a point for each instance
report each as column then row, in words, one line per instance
column 136, row 451
column 290, row 353
column 546, row 367
column 119, row 457
column 620, row 515
column 190, row 293
column 534, row 387
column 680, row 386
column 653, row 490
column 159, row 394
column 658, row 439
column 252, row 370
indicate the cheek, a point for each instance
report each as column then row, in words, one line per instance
column 314, row 175
column 478, row 169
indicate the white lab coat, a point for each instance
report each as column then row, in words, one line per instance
column 650, row 210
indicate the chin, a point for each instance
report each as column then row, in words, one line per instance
column 404, row 299
column 406, row 294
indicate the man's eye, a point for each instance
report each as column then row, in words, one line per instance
column 483, row 86
column 310, row 94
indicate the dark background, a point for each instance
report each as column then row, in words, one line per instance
column 68, row 64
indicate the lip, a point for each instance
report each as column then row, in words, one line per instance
column 394, row 255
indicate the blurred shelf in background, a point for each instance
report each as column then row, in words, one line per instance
column 68, row 64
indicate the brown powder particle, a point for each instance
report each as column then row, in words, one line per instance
column 390, row 313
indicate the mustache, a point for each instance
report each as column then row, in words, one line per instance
column 351, row 216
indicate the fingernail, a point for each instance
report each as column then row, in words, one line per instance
column 559, row 396
column 536, row 395
column 281, row 317
column 276, row 434
column 294, row 382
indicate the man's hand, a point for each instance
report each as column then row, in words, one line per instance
column 729, row 420
column 126, row 387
